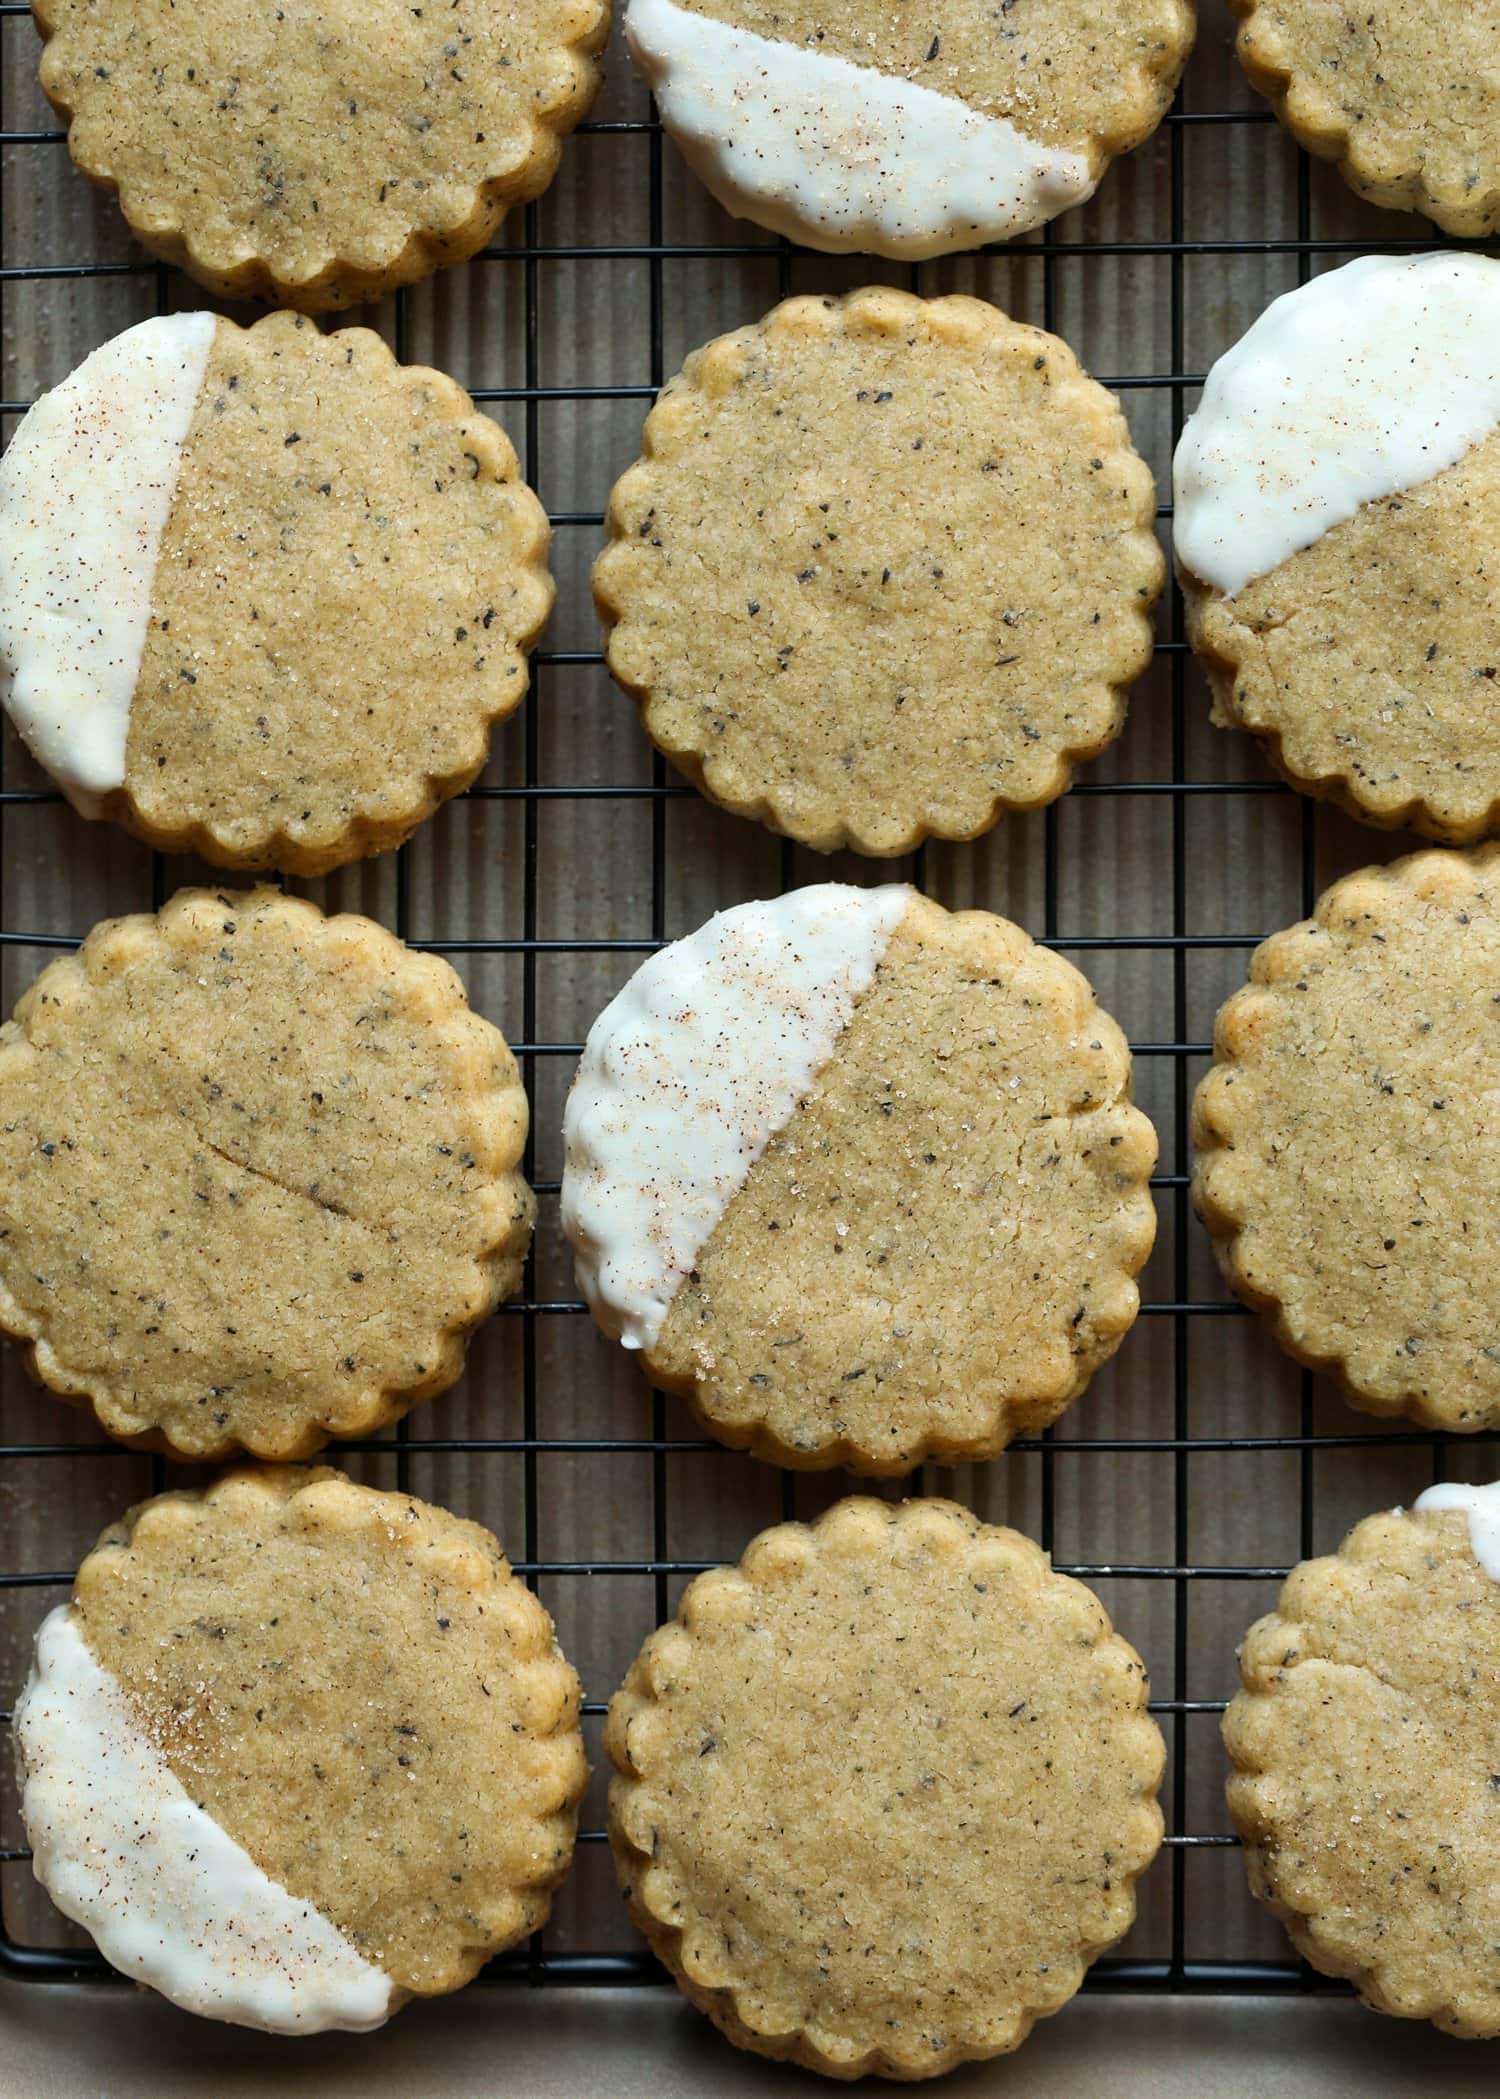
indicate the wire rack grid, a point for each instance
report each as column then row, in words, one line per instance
column 1177, row 1952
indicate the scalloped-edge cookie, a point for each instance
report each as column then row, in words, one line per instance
column 265, row 592
column 1337, row 526
column 847, row 125
column 257, row 1175
column 860, row 1179
column 1347, row 1150
column 884, row 570
column 1405, row 98
column 298, row 1751
column 1363, row 1743
column 883, row 1790
column 318, row 156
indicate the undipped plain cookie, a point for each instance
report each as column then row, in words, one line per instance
column 1405, row 98
column 1348, row 1151
column 297, row 1751
column 885, row 569
column 883, row 1790
column 860, row 1179
column 264, row 592
column 319, row 152
column 257, row 1175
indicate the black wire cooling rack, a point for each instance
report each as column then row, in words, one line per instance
column 1179, row 1967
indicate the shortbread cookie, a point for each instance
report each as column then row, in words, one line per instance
column 1337, row 519
column 320, row 152
column 1348, row 1149
column 884, row 1790
column 297, row 1752
column 843, row 124
column 263, row 593
column 257, row 1175
column 885, row 569
column 859, row 1179
column 1365, row 1784
column 1405, row 98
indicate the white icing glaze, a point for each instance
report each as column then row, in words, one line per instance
column 1369, row 380
column 691, row 1071
column 170, row 1897
column 1482, row 1506
column 838, row 155
column 85, row 491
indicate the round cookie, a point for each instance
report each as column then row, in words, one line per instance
column 866, row 657
column 860, row 1179
column 264, row 592
column 883, row 1790
column 1363, row 1745
column 297, row 1751
column 257, row 1175
column 321, row 152
column 1337, row 522
column 1406, row 99
column 844, row 125
column 1347, row 1148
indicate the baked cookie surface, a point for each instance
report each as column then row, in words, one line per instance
column 257, row 1175
column 860, row 1179
column 320, row 152
column 868, row 655
column 1363, row 1745
column 1406, row 99
column 298, row 1751
column 1337, row 522
column 849, row 126
column 264, row 592
column 1347, row 1154
column 883, row 1790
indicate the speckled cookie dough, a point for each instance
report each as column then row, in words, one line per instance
column 264, row 592
column 860, row 1179
column 1406, row 99
column 257, row 1175
column 1348, row 1154
column 885, row 569
column 1363, row 1744
column 884, row 1790
column 1338, row 535
column 906, row 133
column 320, row 152
column 298, row 1751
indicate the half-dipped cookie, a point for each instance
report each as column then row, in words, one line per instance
column 860, row 1178
column 298, row 1751
column 1337, row 520
column 264, row 592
